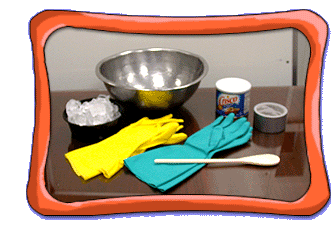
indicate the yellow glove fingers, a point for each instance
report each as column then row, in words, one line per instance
column 179, row 127
column 165, row 132
column 165, row 137
column 165, row 119
column 176, row 138
column 175, row 121
column 156, row 121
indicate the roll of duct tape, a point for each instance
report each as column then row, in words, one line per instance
column 270, row 117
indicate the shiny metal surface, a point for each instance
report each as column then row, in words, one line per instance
column 155, row 78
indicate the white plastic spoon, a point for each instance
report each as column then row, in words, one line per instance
column 262, row 160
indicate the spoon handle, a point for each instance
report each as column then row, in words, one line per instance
column 197, row 161
column 261, row 160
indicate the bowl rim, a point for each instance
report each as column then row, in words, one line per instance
column 123, row 53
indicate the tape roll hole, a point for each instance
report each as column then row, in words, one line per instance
column 270, row 110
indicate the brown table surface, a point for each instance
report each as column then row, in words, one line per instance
column 287, row 181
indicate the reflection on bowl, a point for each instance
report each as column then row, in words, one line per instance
column 155, row 78
column 93, row 133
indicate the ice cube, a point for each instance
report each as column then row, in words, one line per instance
column 100, row 119
column 97, row 111
column 78, row 118
column 89, row 118
column 72, row 107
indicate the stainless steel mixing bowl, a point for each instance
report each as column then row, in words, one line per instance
column 154, row 78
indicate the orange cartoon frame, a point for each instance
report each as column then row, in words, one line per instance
column 310, row 24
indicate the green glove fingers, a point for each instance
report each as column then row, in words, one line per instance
column 195, row 139
column 205, row 131
column 230, row 133
column 228, row 120
column 219, row 133
column 238, row 142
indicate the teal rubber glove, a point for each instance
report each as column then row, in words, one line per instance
column 220, row 135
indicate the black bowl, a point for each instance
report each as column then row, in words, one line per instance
column 93, row 133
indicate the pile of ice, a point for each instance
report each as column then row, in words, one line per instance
column 97, row 111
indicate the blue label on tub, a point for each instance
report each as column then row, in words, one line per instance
column 232, row 103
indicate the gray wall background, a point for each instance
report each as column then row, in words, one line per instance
column 268, row 58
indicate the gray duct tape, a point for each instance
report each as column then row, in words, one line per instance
column 270, row 117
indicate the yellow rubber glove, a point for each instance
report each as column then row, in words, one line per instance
column 162, row 139
column 107, row 156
